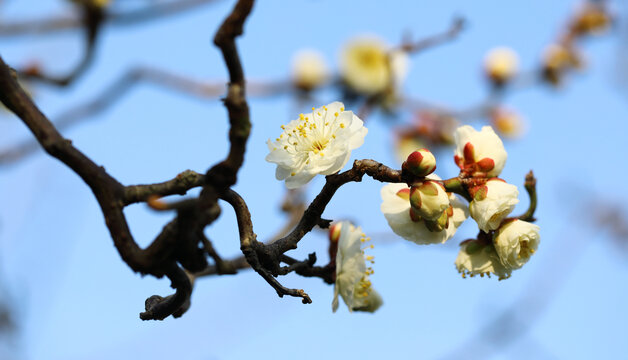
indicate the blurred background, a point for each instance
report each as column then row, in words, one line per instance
column 66, row 294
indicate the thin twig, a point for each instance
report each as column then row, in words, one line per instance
column 56, row 25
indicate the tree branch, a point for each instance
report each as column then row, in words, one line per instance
column 312, row 215
column 56, row 25
column 224, row 174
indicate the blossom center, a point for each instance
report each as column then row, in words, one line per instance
column 525, row 250
column 319, row 145
column 370, row 58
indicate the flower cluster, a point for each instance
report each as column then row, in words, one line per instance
column 352, row 274
column 429, row 211
column 423, row 209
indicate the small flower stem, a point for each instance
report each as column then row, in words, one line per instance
column 530, row 186
column 455, row 185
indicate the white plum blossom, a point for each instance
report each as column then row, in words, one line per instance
column 367, row 68
column 482, row 150
column 515, row 242
column 352, row 275
column 493, row 203
column 309, row 69
column 319, row 142
column 501, row 64
column 396, row 209
column 477, row 259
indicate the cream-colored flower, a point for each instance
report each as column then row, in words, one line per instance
column 396, row 209
column 501, row 64
column 367, row 66
column 317, row 143
column 309, row 70
column 515, row 242
column 493, row 203
column 478, row 259
column 483, row 150
column 352, row 275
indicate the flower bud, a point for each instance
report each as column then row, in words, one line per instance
column 492, row 203
column 309, row 70
column 515, row 242
column 439, row 224
column 501, row 64
column 429, row 199
column 420, row 163
column 334, row 232
column 402, row 218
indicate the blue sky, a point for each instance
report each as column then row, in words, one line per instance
column 77, row 300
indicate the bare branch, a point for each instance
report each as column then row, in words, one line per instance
column 177, row 186
column 92, row 18
column 253, row 250
column 312, row 215
column 223, row 174
column 454, row 30
column 56, row 25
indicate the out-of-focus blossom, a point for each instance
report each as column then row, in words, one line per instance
column 319, row 142
column 501, row 65
column 507, row 122
column 367, row 67
column 591, row 18
column 558, row 59
column 309, row 70
column 429, row 129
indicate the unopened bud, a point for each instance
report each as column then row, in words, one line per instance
column 439, row 224
column 334, row 232
column 429, row 199
column 420, row 163
column 414, row 215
